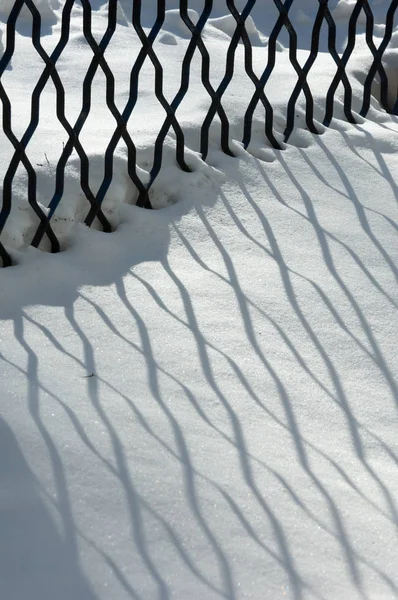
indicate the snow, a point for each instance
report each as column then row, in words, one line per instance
column 44, row 7
column 202, row 403
column 344, row 9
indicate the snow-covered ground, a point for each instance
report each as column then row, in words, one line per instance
column 203, row 403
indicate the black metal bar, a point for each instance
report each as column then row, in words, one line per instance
column 205, row 74
column 248, row 118
column 377, row 65
column 341, row 75
column 20, row 145
column 302, row 79
column 184, row 86
column 121, row 130
column 147, row 43
column 247, row 127
column 226, row 80
column 73, row 141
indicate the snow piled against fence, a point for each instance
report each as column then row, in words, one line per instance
column 48, row 141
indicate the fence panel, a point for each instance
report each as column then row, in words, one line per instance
column 216, row 110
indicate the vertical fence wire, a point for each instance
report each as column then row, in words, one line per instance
column 216, row 110
column 377, row 66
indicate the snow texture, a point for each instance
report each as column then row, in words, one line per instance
column 203, row 403
column 344, row 10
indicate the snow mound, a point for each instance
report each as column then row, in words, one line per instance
column 344, row 10
column 302, row 18
column 122, row 11
column 45, row 8
column 23, row 222
column 174, row 24
column 171, row 185
column 227, row 24
column 167, row 38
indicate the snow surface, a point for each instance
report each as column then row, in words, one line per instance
column 203, row 403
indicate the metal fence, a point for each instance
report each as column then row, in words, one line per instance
column 216, row 109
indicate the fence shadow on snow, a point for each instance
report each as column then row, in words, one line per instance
column 216, row 110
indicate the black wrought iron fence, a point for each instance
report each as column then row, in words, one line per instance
column 216, row 93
